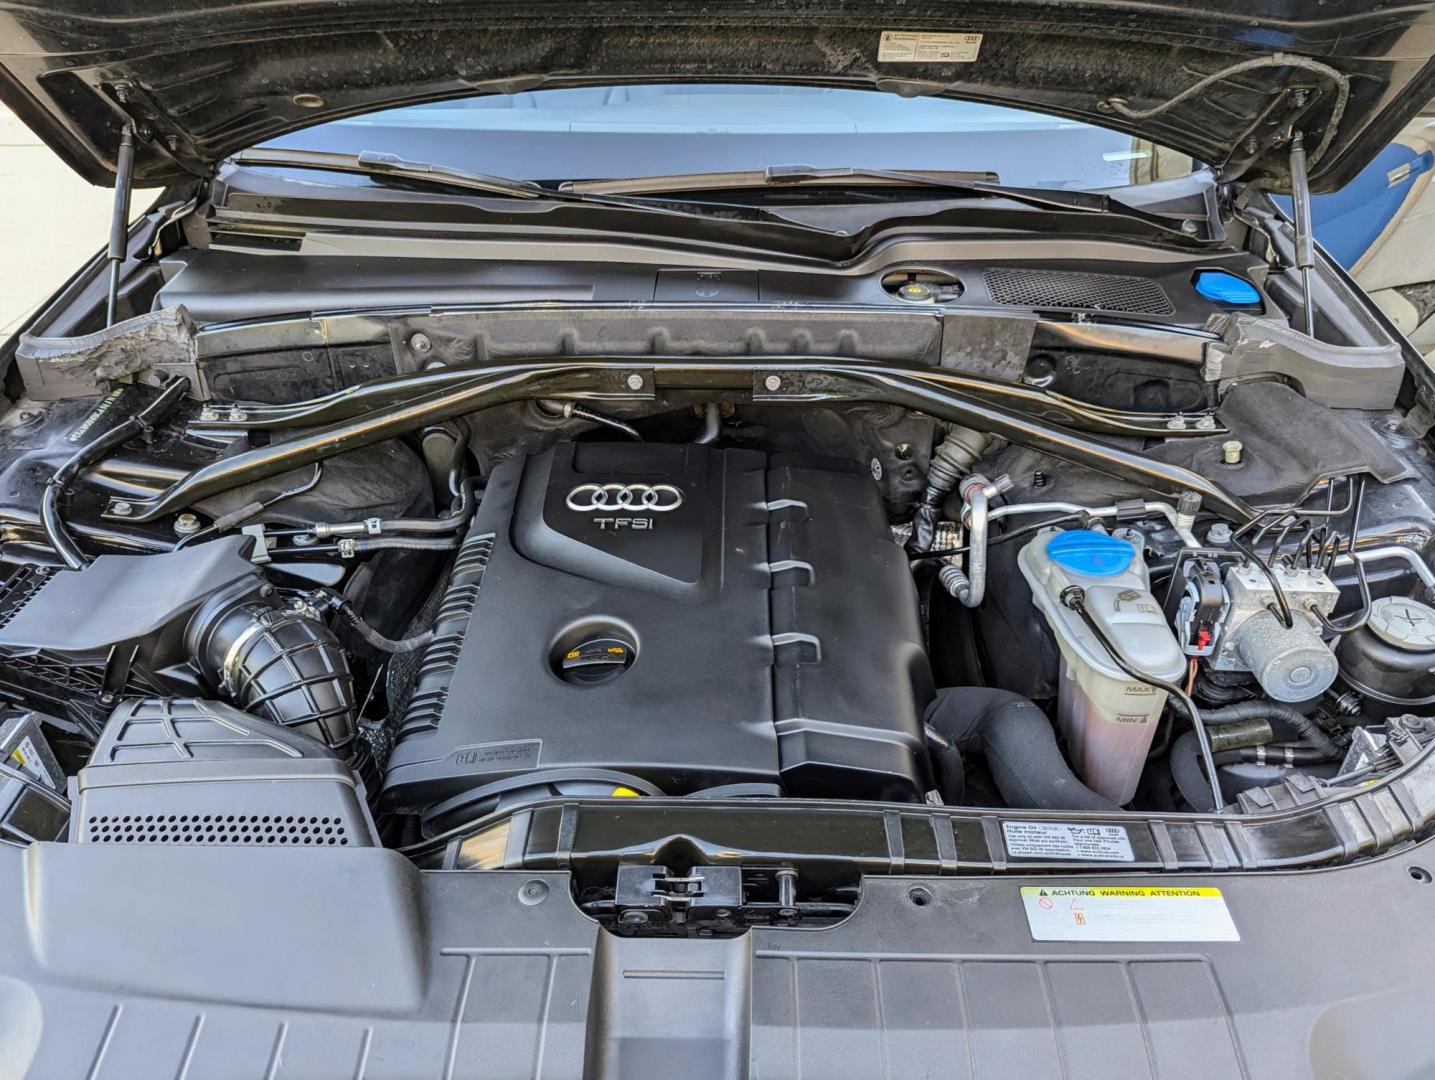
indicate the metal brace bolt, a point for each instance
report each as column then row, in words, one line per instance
column 186, row 524
column 237, row 415
column 121, row 508
column 786, row 892
column 635, row 381
column 208, row 414
column 773, row 383
column 1176, row 423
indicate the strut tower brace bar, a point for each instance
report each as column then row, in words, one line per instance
column 772, row 380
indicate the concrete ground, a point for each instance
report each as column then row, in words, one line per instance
column 51, row 221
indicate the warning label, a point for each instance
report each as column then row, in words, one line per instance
column 1119, row 913
column 1053, row 840
column 914, row 47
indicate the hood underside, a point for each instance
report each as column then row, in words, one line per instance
column 1214, row 80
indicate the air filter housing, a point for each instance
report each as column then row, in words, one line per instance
column 186, row 771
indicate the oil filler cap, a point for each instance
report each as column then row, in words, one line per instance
column 595, row 661
column 1094, row 554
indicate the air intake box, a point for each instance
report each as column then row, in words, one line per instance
column 673, row 619
column 186, row 771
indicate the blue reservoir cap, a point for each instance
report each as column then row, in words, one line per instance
column 1226, row 288
column 1095, row 554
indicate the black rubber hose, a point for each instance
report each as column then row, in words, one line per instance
column 1304, row 727
column 951, row 770
column 50, row 519
column 1191, row 780
column 1019, row 744
column 458, row 514
column 1278, row 754
column 378, row 640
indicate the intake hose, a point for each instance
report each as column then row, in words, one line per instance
column 279, row 662
column 1019, row 744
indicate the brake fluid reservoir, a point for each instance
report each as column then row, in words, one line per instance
column 1107, row 717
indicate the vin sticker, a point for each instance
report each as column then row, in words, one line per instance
column 1117, row 913
column 1050, row 840
column 917, row 47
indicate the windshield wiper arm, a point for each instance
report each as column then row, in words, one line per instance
column 370, row 163
column 389, row 166
column 982, row 184
column 771, row 177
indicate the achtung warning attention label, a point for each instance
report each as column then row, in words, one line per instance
column 1118, row 913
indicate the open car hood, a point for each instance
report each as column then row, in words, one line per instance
column 207, row 78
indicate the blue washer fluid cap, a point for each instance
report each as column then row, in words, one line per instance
column 1224, row 287
column 1095, row 554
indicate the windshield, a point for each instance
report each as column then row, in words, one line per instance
column 616, row 132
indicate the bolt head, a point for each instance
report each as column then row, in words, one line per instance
column 420, row 343
column 120, row 508
column 533, row 892
column 635, row 381
column 186, row 524
column 208, row 414
column 773, row 383
column 634, row 918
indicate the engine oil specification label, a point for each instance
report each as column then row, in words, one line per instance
column 1118, row 913
column 915, row 47
column 1052, row 840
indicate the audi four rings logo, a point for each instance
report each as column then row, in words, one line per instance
column 644, row 498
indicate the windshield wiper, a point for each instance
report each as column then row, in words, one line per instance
column 390, row 167
column 370, row 163
column 981, row 184
column 775, row 176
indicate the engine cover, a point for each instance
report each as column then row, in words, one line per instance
column 674, row 619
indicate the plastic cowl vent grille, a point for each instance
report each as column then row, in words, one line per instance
column 292, row 829
column 1069, row 289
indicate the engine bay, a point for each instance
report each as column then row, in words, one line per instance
column 444, row 590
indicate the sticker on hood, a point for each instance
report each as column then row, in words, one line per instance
column 920, row 47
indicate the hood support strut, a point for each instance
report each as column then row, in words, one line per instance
column 1304, row 232
column 120, row 218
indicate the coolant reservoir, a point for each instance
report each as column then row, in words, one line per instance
column 1107, row 717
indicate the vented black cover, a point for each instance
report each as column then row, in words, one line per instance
column 773, row 619
column 185, row 771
